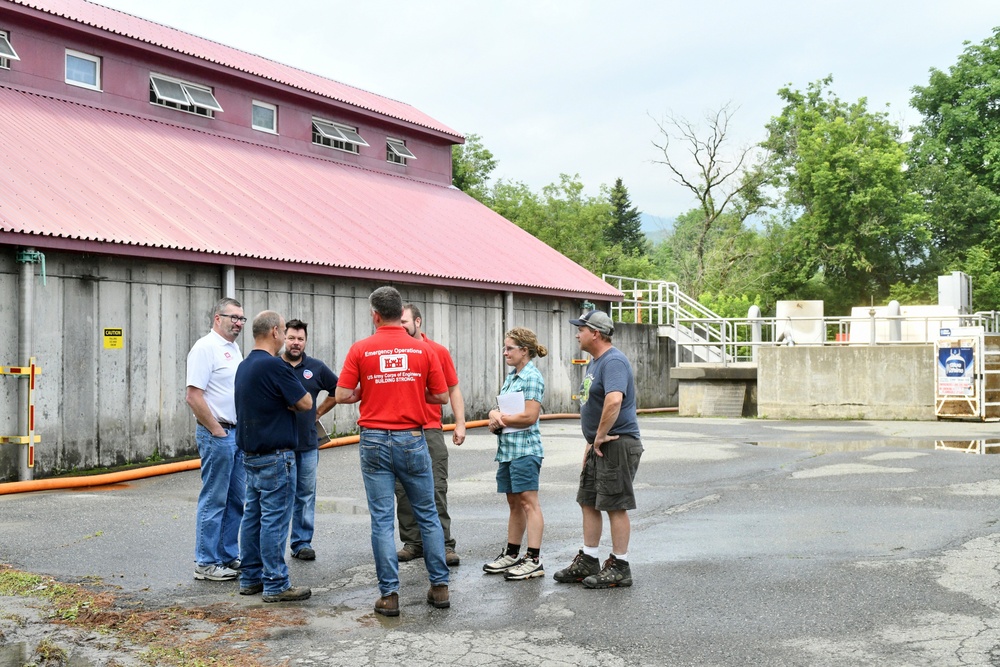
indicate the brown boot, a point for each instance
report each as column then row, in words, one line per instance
column 388, row 605
column 437, row 595
column 409, row 552
column 451, row 558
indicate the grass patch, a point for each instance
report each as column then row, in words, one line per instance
column 219, row 635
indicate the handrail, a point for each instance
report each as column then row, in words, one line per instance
column 703, row 336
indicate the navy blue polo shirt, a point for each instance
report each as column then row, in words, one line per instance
column 265, row 388
column 315, row 376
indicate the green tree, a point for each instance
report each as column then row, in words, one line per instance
column 625, row 229
column 854, row 226
column 955, row 164
column 472, row 164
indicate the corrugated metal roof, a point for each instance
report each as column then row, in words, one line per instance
column 140, row 29
column 76, row 172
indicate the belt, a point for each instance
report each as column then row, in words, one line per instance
column 227, row 425
column 392, row 430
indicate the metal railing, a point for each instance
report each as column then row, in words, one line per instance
column 703, row 337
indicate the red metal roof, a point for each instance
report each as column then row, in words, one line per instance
column 74, row 174
column 163, row 36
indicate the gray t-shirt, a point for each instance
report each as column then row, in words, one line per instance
column 608, row 373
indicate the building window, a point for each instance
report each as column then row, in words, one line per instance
column 396, row 151
column 7, row 52
column 335, row 135
column 265, row 117
column 177, row 94
column 83, row 70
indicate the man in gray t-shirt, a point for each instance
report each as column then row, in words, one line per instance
column 611, row 458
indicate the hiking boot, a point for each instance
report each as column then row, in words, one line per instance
column 292, row 594
column 388, row 605
column 451, row 557
column 526, row 568
column 502, row 563
column 615, row 573
column 214, row 573
column 582, row 567
column 252, row 589
column 437, row 595
column 305, row 553
column 409, row 552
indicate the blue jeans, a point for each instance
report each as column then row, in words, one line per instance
column 220, row 501
column 385, row 457
column 270, row 485
column 304, row 502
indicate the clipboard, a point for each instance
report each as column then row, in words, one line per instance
column 511, row 404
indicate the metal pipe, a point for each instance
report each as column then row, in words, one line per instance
column 229, row 281
column 25, row 337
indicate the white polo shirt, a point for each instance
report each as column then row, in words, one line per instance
column 211, row 367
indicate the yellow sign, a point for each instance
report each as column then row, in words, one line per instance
column 114, row 339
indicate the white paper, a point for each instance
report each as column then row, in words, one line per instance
column 511, row 404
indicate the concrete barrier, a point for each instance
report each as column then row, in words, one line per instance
column 846, row 382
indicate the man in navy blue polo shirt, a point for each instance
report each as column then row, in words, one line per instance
column 315, row 376
column 267, row 396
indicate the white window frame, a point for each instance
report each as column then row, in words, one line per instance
column 188, row 94
column 273, row 108
column 70, row 53
column 7, row 52
column 397, row 152
column 348, row 137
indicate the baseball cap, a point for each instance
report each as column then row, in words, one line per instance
column 597, row 320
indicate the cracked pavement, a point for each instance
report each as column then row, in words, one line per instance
column 755, row 543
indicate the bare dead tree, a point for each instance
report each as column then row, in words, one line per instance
column 720, row 179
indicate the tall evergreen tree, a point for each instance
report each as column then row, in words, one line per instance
column 625, row 229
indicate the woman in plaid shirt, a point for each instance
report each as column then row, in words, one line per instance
column 519, row 453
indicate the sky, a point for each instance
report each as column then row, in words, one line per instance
column 579, row 87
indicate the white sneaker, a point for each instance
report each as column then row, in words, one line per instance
column 526, row 568
column 214, row 573
column 502, row 563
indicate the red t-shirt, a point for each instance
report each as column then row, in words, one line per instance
column 393, row 370
column 450, row 379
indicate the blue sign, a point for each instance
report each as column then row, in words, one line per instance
column 956, row 371
column 945, row 333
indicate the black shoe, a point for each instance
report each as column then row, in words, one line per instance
column 615, row 573
column 582, row 567
column 305, row 553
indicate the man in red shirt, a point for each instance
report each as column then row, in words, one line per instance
column 409, row 535
column 394, row 377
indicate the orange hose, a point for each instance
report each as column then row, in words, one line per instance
column 53, row 483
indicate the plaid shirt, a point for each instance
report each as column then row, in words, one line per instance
column 514, row 445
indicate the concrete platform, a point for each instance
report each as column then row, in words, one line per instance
column 756, row 542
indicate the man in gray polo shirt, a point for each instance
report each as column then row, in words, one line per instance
column 611, row 458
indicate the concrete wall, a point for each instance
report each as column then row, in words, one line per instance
column 98, row 407
column 847, row 382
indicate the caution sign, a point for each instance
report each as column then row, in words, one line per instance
column 114, row 338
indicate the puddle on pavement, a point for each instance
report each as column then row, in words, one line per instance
column 982, row 446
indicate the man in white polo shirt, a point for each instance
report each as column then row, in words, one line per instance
column 211, row 373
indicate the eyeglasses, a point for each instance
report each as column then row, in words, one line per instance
column 508, row 348
column 237, row 319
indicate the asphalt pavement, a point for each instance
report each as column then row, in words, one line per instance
column 755, row 543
